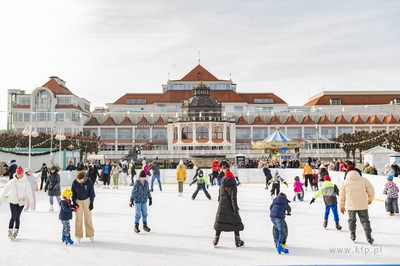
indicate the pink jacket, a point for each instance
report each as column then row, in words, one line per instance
column 297, row 186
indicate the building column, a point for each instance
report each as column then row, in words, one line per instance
column 151, row 134
column 251, row 133
column 116, row 139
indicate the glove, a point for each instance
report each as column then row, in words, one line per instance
column 91, row 206
column 207, row 186
column 150, row 201
column 288, row 214
column 131, row 203
column 76, row 206
column 75, row 210
column 312, row 201
column 287, row 185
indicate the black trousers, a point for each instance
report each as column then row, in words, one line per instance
column 276, row 188
column 201, row 186
column 218, row 233
column 106, row 179
column 43, row 180
column 364, row 219
column 16, row 211
column 213, row 177
column 309, row 179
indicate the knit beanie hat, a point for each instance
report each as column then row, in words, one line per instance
column 327, row 178
column 19, row 171
column 296, row 178
column 228, row 174
column 350, row 168
column 390, row 177
column 142, row 173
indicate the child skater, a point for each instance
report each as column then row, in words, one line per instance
column 276, row 184
column 66, row 214
column 329, row 190
column 235, row 172
column 298, row 190
column 139, row 196
column 34, row 187
column 279, row 208
column 392, row 192
column 314, row 185
column 201, row 184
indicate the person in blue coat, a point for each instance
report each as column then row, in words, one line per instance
column 139, row 196
column 66, row 214
column 279, row 208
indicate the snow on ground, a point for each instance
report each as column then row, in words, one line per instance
column 182, row 233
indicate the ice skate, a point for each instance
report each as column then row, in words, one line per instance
column 68, row 240
column 51, row 208
column 294, row 198
column 151, row 189
column 280, row 248
column 370, row 239
column 116, row 187
column 215, row 241
column 238, row 242
column 325, row 223
column 137, row 228
column 160, row 189
column 91, row 238
column 14, row 236
column 301, row 199
column 338, row 227
column 63, row 238
column 145, row 227
column 10, row 233
column 353, row 235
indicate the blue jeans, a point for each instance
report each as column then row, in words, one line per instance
column 334, row 210
column 140, row 211
column 279, row 231
column 392, row 203
column 158, row 180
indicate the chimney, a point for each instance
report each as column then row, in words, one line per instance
column 58, row 80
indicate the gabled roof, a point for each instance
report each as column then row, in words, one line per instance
column 258, row 121
column 389, row 119
column 160, row 122
column 291, row 121
column 143, row 122
column 109, row 122
column 92, row 122
column 241, row 121
column 149, row 97
column 56, row 88
column 126, row 122
column 373, row 119
column 354, row 97
column 250, row 97
column 357, row 120
column 323, row 120
column 307, row 120
column 275, row 121
column 199, row 73
column 341, row 120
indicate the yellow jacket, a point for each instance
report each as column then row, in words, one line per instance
column 307, row 170
column 181, row 173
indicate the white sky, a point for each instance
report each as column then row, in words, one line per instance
column 104, row 49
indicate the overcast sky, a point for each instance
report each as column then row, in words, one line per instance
column 104, row 49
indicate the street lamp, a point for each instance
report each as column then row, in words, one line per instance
column 28, row 132
column 316, row 127
column 60, row 136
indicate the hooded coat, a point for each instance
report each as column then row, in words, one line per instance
column 355, row 192
column 227, row 218
column 53, row 183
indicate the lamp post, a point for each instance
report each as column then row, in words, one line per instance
column 60, row 136
column 28, row 132
column 316, row 127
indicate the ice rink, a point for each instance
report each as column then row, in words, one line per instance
column 182, row 233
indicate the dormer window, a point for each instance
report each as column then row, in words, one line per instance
column 397, row 101
column 136, row 101
column 336, row 101
column 263, row 100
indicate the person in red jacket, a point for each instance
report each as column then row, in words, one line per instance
column 215, row 171
column 342, row 166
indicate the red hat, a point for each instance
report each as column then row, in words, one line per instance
column 327, row 178
column 70, row 161
column 19, row 171
column 228, row 174
column 350, row 168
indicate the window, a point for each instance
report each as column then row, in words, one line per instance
column 136, row 101
column 259, row 109
column 378, row 128
column 41, row 116
column 336, row 101
column 342, row 130
column 43, row 100
column 260, row 133
column 108, row 148
column 90, row 132
column 19, row 131
column 141, row 133
column 135, row 109
column 228, row 133
column 21, row 117
column 328, row 132
column 60, row 117
column 218, row 133
column 294, row 133
column 178, row 108
column 68, row 131
column 310, row 132
column 161, row 109
column 24, row 100
column 175, row 133
column 159, row 134
column 187, row 133
column 124, row 148
column 362, row 128
column 64, row 100
column 263, row 100
column 107, row 134
column 202, row 132
column 242, row 133
column 238, row 109
column 124, row 133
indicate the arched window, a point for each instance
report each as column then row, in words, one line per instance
column 217, row 133
column 175, row 133
column 187, row 133
column 202, row 132
column 228, row 133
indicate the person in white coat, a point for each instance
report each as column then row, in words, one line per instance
column 34, row 186
column 18, row 190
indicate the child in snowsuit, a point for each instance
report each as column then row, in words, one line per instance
column 329, row 191
column 66, row 214
column 276, row 184
column 314, row 186
column 392, row 192
column 139, row 196
column 298, row 191
column 278, row 209
column 34, row 187
column 201, row 184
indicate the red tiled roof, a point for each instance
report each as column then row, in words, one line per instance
column 250, row 97
column 160, row 122
column 92, row 122
column 56, row 88
column 143, row 122
column 149, row 97
column 68, row 106
column 373, row 119
column 275, row 121
column 109, row 122
column 291, row 121
column 357, row 120
column 22, row 106
column 357, row 99
column 389, row 119
column 307, row 121
column 126, row 122
column 242, row 121
column 341, row 120
column 323, row 120
column 199, row 73
column 258, row 121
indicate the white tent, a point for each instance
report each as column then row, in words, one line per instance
column 378, row 156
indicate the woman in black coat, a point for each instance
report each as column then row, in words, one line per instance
column 93, row 173
column 227, row 218
column 43, row 176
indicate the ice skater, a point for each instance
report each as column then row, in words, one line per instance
column 66, row 214
column 53, row 187
column 181, row 175
column 278, row 209
column 155, row 169
column 140, row 194
column 235, row 172
column 298, row 190
column 34, row 186
column 201, row 184
column 392, row 192
column 276, row 184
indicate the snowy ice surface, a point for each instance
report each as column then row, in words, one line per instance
column 182, row 233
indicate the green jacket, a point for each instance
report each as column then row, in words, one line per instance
column 329, row 192
column 368, row 170
column 201, row 179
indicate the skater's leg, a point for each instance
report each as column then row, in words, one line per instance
column 34, row 199
column 51, row 200
column 144, row 212
column 79, row 220
column 335, row 213
column 19, row 211
column 327, row 210
column 352, row 220
column 13, row 209
column 159, row 181
column 364, row 219
column 27, row 205
column 138, row 212
column 217, row 233
column 58, row 199
column 197, row 191
column 88, row 218
column 180, row 187
column 395, row 205
column 278, row 189
column 66, row 227
column 206, row 192
column 388, row 204
column 152, row 181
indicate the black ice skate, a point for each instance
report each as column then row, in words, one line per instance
column 145, row 228
column 370, row 239
column 151, row 189
column 14, row 236
column 216, row 239
column 325, row 223
column 137, row 228
column 353, row 235
column 238, row 242
column 338, row 227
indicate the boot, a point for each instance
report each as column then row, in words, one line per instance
column 216, row 239
column 145, row 227
column 160, row 189
column 338, row 227
column 10, row 233
column 301, row 199
column 14, row 236
column 51, row 208
column 238, row 242
column 137, row 228
column 63, row 238
column 353, row 235
column 325, row 223
column 294, row 198
column 151, row 189
column 370, row 239
column 280, row 248
column 68, row 240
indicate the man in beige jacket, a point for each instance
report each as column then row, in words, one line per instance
column 357, row 193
